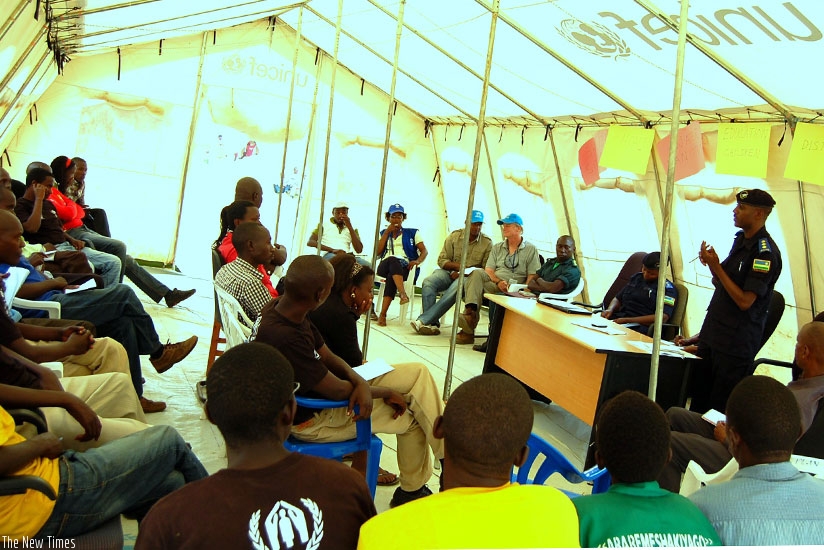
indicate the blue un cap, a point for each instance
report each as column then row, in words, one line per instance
column 395, row 208
column 512, row 218
column 477, row 217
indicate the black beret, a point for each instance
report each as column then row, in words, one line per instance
column 755, row 197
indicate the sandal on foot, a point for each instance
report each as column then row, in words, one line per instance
column 381, row 321
column 387, row 478
column 404, row 299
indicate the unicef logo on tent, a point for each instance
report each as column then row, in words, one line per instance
column 594, row 38
column 234, row 64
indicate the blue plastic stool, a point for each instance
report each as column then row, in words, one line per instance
column 364, row 441
column 554, row 462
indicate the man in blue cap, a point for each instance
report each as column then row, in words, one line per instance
column 445, row 278
column 511, row 261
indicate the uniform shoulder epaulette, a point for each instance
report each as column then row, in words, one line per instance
column 764, row 245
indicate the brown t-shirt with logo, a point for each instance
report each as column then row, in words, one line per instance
column 300, row 502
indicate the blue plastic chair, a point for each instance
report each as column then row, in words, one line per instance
column 364, row 441
column 553, row 462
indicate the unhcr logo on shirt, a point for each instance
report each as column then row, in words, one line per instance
column 737, row 26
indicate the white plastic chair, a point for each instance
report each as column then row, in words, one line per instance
column 16, row 279
column 230, row 315
column 408, row 287
column 566, row 297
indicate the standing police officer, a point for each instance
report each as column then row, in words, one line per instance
column 734, row 325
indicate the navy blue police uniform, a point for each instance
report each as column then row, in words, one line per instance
column 730, row 338
column 638, row 298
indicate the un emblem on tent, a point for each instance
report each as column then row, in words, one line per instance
column 594, row 38
column 234, row 64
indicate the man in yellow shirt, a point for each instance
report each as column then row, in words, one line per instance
column 485, row 426
column 124, row 476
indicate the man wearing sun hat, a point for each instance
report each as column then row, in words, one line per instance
column 512, row 260
column 445, row 278
column 734, row 325
column 339, row 237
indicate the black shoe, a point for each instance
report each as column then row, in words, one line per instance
column 174, row 297
column 480, row 347
column 402, row 497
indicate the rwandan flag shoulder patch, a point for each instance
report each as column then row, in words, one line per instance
column 762, row 266
column 669, row 301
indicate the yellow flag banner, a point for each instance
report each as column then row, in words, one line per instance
column 627, row 148
column 743, row 149
column 806, row 162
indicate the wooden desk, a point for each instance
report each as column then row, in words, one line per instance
column 577, row 368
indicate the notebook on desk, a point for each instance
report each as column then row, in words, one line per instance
column 564, row 306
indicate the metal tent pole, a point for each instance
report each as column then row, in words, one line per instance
column 289, row 117
column 492, row 176
column 389, row 115
column 192, row 126
column 329, row 120
column 665, row 235
column 447, row 384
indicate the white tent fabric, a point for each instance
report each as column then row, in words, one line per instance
column 171, row 103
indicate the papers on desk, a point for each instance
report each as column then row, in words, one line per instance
column 601, row 327
column 667, row 348
column 374, row 368
column 88, row 285
column 808, row 465
column 714, row 417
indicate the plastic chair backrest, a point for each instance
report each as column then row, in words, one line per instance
column 364, row 441
column 231, row 313
column 569, row 295
column 554, row 461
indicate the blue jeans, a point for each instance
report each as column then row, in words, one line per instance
column 118, row 314
column 438, row 281
column 106, row 265
column 127, row 475
column 144, row 280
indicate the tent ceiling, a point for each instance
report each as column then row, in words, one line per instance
column 597, row 61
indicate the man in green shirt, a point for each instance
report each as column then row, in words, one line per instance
column 558, row 275
column 632, row 438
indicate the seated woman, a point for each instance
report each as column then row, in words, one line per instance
column 337, row 321
column 230, row 217
column 400, row 254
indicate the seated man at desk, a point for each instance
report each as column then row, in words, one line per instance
column 634, row 305
column 558, row 275
column 511, row 261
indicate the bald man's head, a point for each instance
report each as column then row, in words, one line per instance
column 11, row 238
column 249, row 189
column 809, row 350
column 36, row 164
column 309, row 280
column 5, row 179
